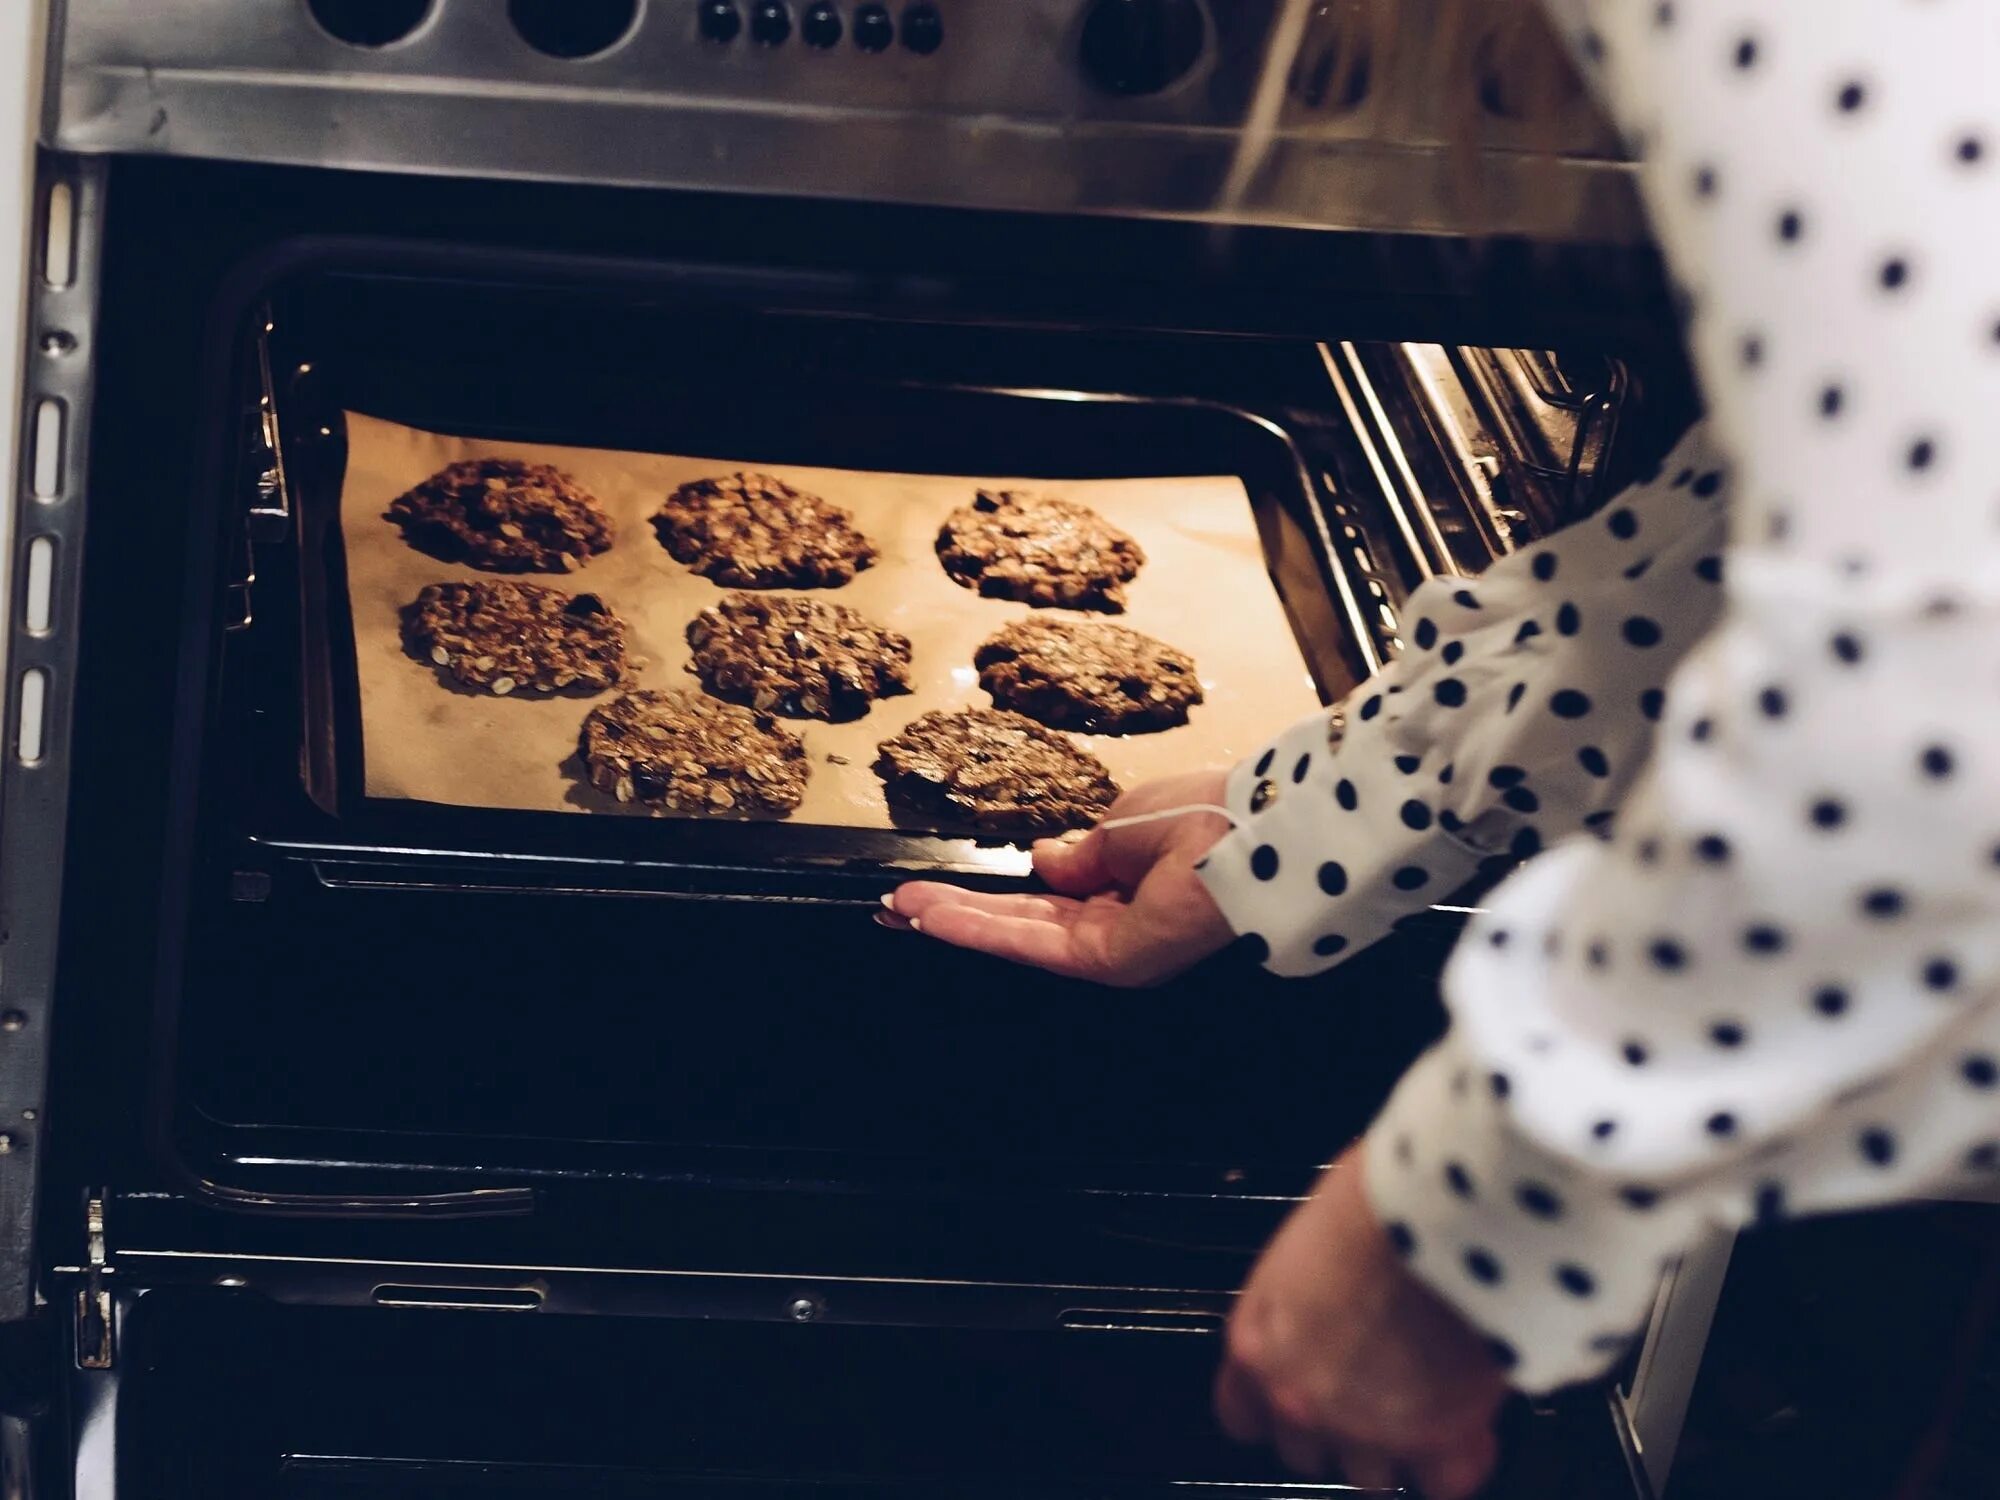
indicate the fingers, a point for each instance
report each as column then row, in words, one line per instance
column 1367, row 1468
column 1022, row 940
column 1078, row 867
column 1457, row 1473
column 919, row 898
column 1239, row 1405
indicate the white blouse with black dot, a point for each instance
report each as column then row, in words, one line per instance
column 1754, row 709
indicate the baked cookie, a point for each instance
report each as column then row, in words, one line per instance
column 517, row 637
column 689, row 754
column 753, row 531
column 504, row 515
column 995, row 771
column 1085, row 675
column 804, row 658
column 1040, row 549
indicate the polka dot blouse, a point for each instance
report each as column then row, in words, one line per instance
column 1746, row 721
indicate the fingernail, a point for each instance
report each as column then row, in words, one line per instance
column 889, row 900
column 915, row 925
column 891, row 921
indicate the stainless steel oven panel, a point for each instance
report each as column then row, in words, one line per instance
column 1009, row 111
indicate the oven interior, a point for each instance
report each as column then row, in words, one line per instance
column 384, row 999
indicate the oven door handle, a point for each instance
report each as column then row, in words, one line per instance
column 474, row 1203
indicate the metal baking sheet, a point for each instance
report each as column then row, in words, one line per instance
column 1204, row 589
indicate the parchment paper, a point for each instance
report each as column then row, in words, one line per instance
column 1203, row 589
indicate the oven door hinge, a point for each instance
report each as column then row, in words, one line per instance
column 96, row 1339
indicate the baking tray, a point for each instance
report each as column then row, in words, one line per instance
column 859, row 424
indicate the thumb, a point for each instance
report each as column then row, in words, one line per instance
column 1076, row 867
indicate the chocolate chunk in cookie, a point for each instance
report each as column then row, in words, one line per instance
column 1089, row 676
column 504, row 515
column 993, row 771
column 688, row 754
column 753, row 531
column 1040, row 549
column 804, row 658
column 517, row 637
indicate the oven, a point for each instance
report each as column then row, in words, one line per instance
column 367, row 1146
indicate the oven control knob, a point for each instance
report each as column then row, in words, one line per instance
column 720, row 20
column 873, row 30
column 1141, row 46
column 771, row 22
column 923, row 28
column 821, row 26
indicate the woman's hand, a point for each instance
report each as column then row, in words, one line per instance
column 1128, row 908
column 1340, row 1358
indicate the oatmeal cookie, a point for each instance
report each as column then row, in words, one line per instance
column 517, row 637
column 689, row 754
column 995, row 771
column 804, row 658
column 1098, row 678
column 504, row 515
column 1040, row 549
column 754, row 531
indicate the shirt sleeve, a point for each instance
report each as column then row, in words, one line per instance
column 1772, row 992
column 1519, row 712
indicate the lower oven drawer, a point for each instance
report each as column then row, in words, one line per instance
column 224, row 1394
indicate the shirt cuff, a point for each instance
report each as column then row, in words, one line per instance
column 1557, row 1269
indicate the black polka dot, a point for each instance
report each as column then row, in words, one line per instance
column 1830, row 1000
column 1401, row 1238
column 1254, row 948
column 1301, row 768
column 1522, row 800
column 1603, row 1130
column 1264, row 862
column 1827, row 813
column 1641, row 632
column 1575, row 1280
column 1983, row 1157
column 1878, row 1146
column 1636, row 1197
column 1940, row 974
column 1701, row 730
column 1969, row 150
column 1329, row 945
column 1831, row 400
column 1652, row 703
column 1459, row 1180
column 1502, row 1353
column 1937, row 762
column 1594, row 761
column 1525, row 844
column 1453, row 650
column 1409, row 764
column 1528, row 631
column 1449, row 821
column 1411, row 878
column 1597, row 955
column 1709, row 485
column 1544, row 566
column 1721, row 1124
column 1502, row 777
column 1638, row 568
column 1635, row 1053
column 1790, row 226
column 1745, row 54
column 1773, row 703
column 1712, row 849
column 1764, row 939
column 1846, row 648
column 1345, row 794
column 1514, row 695
column 1883, row 902
column 1568, row 703
column 1264, row 761
column 1706, row 181
column 1726, row 1034
column 1426, row 634
column 1568, row 621
column 1750, row 351
column 1667, row 955
column 1768, row 1203
column 1852, row 96
column 1465, row 599
column 1622, row 524
column 1416, row 815
column 1371, row 708
column 1601, row 821
column 1449, row 693
column 1921, row 454
column 1647, row 851
column 1499, row 1084
column 1444, row 776
column 1539, row 1200
column 1979, row 1070
column 1709, row 570
column 1482, row 1266
column 1499, row 937
column 1894, row 274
